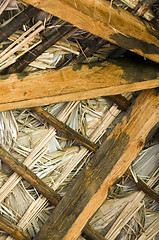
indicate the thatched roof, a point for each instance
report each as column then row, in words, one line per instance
column 79, row 144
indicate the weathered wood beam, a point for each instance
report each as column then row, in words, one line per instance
column 17, row 22
column 29, row 176
column 121, row 101
column 59, row 125
column 43, row 188
column 13, row 230
column 111, row 23
column 23, row 61
column 108, row 164
column 90, row 234
column 143, row 186
column 70, row 83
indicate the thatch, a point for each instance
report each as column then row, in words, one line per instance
column 43, row 42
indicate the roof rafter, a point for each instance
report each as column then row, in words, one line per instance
column 108, row 164
column 75, row 83
column 111, row 23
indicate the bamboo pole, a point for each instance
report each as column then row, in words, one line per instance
column 90, row 234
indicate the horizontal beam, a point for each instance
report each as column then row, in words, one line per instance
column 26, row 90
column 111, row 23
column 108, row 164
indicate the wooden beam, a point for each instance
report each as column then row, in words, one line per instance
column 121, row 101
column 90, row 234
column 109, row 22
column 108, row 164
column 143, row 186
column 13, row 230
column 29, row 176
column 43, row 188
column 17, row 22
column 59, row 125
column 76, row 83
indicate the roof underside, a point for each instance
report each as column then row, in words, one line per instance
column 79, row 119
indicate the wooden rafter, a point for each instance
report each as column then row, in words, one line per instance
column 68, row 84
column 16, row 232
column 108, row 164
column 71, row 134
column 111, row 23
column 29, row 176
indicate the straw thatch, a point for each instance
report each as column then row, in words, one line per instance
column 128, row 212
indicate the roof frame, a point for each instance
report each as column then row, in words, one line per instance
column 106, row 21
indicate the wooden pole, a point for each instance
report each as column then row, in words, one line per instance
column 17, row 22
column 31, row 55
column 121, row 101
column 75, row 83
column 108, row 164
column 29, row 176
column 13, row 230
column 90, row 234
column 59, row 125
column 106, row 21
column 143, row 186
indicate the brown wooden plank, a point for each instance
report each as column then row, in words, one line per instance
column 108, row 164
column 13, row 230
column 68, row 84
column 59, row 125
column 29, row 176
column 111, row 23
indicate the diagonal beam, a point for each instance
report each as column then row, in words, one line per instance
column 16, row 232
column 76, row 83
column 111, row 23
column 108, row 164
column 71, row 133
column 29, row 176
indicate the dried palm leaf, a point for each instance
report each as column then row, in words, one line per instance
column 8, row 129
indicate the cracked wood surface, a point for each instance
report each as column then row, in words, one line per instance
column 113, row 77
column 108, row 164
column 109, row 22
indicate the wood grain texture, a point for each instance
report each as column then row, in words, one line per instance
column 72, row 83
column 108, row 164
column 109, row 22
column 13, row 230
column 29, row 176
